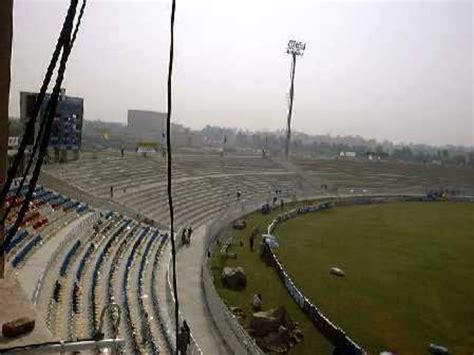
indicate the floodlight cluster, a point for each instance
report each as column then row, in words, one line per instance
column 295, row 47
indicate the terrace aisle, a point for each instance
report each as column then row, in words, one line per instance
column 192, row 302
column 31, row 272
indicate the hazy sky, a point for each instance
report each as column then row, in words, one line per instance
column 397, row 70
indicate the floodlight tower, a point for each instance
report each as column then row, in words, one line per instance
column 296, row 49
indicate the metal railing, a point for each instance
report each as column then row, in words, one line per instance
column 62, row 347
column 330, row 330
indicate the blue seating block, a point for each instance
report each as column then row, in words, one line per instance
column 16, row 240
column 26, row 250
column 69, row 256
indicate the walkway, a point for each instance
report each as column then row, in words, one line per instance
column 36, row 265
column 192, row 302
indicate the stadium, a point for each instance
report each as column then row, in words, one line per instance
column 82, row 250
column 152, row 237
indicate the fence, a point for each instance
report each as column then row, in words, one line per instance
column 333, row 333
column 234, row 335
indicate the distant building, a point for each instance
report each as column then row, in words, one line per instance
column 149, row 125
column 66, row 131
column 347, row 155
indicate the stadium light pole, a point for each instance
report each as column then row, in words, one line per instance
column 295, row 49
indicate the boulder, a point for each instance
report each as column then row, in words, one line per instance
column 234, row 278
column 266, row 322
column 336, row 272
column 274, row 331
column 438, row 350
column 239, row 224
column 277, row 342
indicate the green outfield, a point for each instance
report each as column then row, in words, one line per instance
column 263, row 279
column 409, row 274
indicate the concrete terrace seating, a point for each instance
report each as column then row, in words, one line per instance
column 145, row 326
column 346, row 176
column 204, row 185
column 47, row 214
column 98, row 259
column 108, row 262
column 117, row 259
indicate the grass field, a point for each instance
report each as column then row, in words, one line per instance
column 409, row 266
column 263, row 279
column 409, row 272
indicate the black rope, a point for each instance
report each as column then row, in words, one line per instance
column 48, row 120
column 42, row 124
column 78, row 23
column 30, row 126
column 168, row 147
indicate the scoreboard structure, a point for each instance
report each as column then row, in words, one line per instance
column 66, row 131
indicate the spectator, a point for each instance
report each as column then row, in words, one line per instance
column 186, row 327
column 57, row 291
column 257, row 302
column 239, row 193
column 282, row 204
column 184, row 238
column 184, row 338
column 190, row 231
